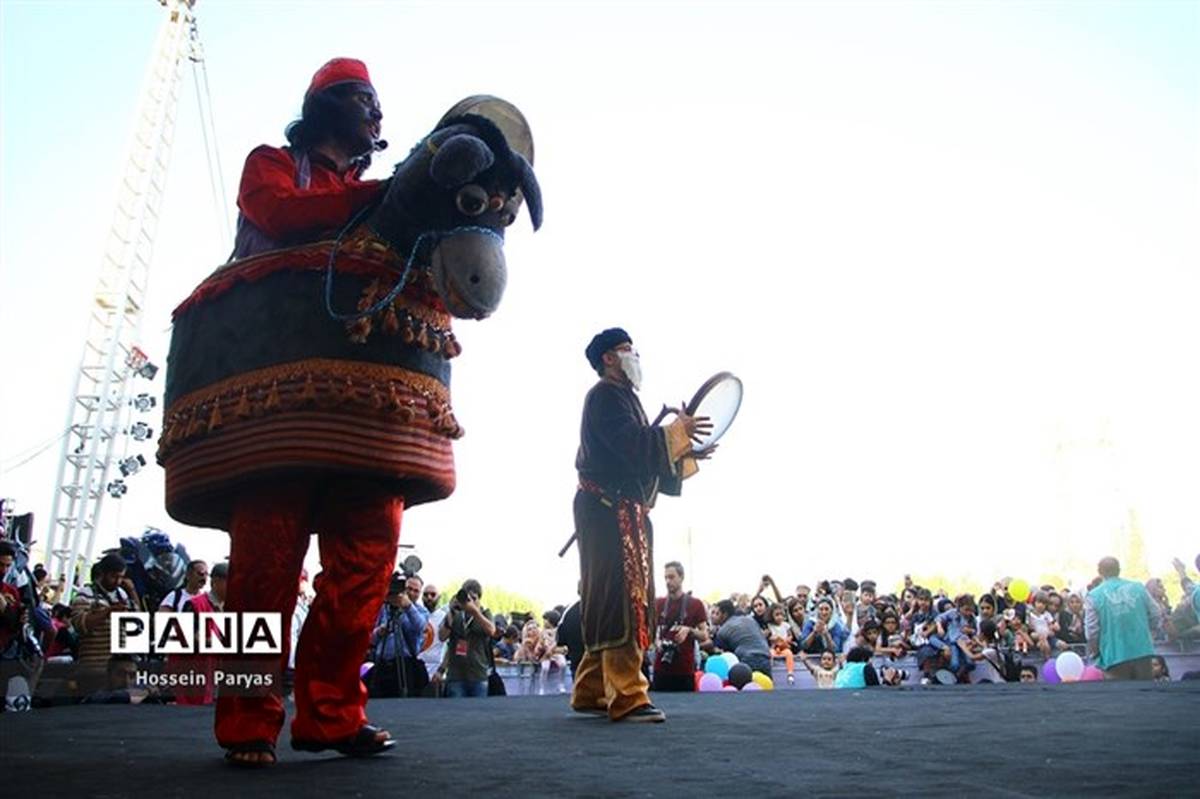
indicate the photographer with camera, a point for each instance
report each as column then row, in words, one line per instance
column 396, row 640
column 468, row 631
column 91, row 615
column 682, row 622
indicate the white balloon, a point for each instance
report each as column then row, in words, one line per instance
column 1069, row 667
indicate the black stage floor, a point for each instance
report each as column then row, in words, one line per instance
column 991, row 740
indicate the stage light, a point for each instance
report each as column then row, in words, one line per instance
column 117, row 488
column 139, row 362
column 141, row 431
column 130, row 465
column 144, row 402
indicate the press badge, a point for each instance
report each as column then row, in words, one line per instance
column 460, row 648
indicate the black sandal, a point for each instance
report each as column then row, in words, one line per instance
column 251, row 747
column 361, row 744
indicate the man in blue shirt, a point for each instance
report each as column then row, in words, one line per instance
column 396, row 640
column 1118, row 617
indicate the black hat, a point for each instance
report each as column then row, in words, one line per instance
column 602, row 343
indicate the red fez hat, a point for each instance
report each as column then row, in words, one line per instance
column 338, row 70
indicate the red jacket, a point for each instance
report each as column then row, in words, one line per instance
column 290, row 207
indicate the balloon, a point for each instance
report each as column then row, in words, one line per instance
column 752, row 686
column 717, row 666
column 1069, row 666
column 364, row 669
column 729, row 658
column 729, row 688
column 739, row 675
column 763, row 681
column 710, row 682
column 1092, row 674
column 1018, row 590
column 1049, row 673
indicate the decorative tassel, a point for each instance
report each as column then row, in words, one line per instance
column 394, row 401
column 170, row 433
column 359, row 330
column 348, row 393
column 407, row 413
column 451, row 349
column 242, row 411
column 369, row 295
column 377, row 398
column 309, row 394
column 391, row 323
column 423, row 337
column 194, row 423
column 407, row 335
column 435, row 342
column 273, row 403
column 214, row 420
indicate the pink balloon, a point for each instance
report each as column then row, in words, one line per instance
column 1050, row 673
column 1092, row 674
column 751, row 686
column 728, row 688
column 710, row 682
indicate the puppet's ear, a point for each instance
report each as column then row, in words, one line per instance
column 531, row 190
column 459, row 159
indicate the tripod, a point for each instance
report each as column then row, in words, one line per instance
column 395, row 633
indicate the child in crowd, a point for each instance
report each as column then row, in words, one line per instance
column 779, row 635
column 506, row 647
column 950, row 635
column 1158, row 669
column 1014, row 619
column 890, row 635
column 826, row 670
column 1043, row 625
column 864, row 610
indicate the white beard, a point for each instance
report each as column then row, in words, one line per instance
column 632, row 367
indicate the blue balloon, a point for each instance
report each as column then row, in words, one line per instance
column 717, row 666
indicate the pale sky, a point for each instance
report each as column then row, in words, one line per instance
column 950, row 248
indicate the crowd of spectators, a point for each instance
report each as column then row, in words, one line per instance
column 842, row 632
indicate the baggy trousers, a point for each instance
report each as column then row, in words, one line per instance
column 357, row 523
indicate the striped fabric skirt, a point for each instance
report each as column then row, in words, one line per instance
column 263, row 383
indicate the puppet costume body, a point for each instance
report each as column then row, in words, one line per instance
column 622, row 462
column 308, row 391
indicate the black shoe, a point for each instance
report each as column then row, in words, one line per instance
column 646, row 714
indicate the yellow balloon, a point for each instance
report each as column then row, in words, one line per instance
column 763, row 681
column 1018, row 590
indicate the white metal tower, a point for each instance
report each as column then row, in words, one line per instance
column 99, row 409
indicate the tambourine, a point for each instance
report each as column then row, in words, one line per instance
column 719, row 398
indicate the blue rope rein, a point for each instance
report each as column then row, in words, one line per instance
column 430, row 235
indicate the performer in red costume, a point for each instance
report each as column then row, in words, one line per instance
column 291, row 195
column 299, row 193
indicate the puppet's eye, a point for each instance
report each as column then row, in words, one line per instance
column 471, row 200
column 495, row 202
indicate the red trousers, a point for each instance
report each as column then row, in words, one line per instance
column 358, row 528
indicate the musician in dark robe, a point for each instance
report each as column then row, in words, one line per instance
column 623, row 463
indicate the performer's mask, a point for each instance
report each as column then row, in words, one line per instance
column 631, row 365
